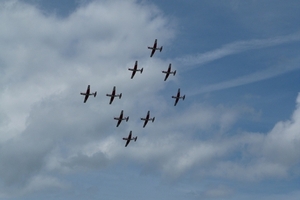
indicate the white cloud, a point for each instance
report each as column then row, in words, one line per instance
column 47, row 61
column 282, row 143
column 218, row 192
column 263, row 156
column 175, row 151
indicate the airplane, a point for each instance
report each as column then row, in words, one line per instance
column 154, row 48
column 129, row 138
column 135, row 69
column 169, row 72
column 177, row 97
column 113, row 95
column 120, row 118
column 147, row 119
column 87, row 94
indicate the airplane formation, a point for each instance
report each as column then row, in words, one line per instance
column 113, row 94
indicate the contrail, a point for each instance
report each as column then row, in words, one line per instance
column 251, row 78
column 190, row 62
column 233, row 48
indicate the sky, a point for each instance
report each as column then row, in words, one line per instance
column 236, row 135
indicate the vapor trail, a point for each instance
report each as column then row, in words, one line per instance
column 233, row 48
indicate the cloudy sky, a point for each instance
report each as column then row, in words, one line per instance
column 235, row 136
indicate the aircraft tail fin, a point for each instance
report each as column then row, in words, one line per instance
column 142, row 70
column 135, row 138
column 120, row 95
column 95, row 94
column 153, row 119
column 183, row 97
column 174, row 73
column 127, row 118
column 160, row 49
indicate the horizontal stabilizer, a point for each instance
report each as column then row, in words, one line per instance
column 95, row 94
column 120, row 96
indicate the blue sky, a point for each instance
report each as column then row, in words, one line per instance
column 235, row 136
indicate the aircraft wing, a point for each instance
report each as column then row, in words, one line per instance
column 176, row 101
column 133, row 73
column 145, row 123
column 111, row 99
column 167, row 75
column 119, row 122
column 86, row 97
column 152, row 52
column 127, row 142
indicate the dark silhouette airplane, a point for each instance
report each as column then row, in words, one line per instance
column 147, row 119
column 154, row 48
column 113, row 95
column 135, row 69
column 177, row 97
column 120, row 118
column 87, row 94
column 129, row 138
column 168, row 72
